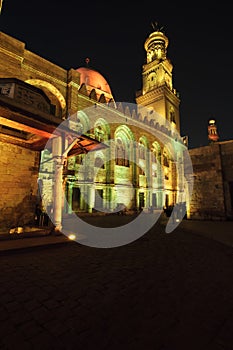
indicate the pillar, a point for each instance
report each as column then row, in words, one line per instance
column 58, row 186
column 70, row 197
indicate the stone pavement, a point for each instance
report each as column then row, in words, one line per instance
column 161, row 292
column 11, row 245
column 221, row 231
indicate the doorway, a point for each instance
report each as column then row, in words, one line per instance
column 76, row 199
column 141, row 200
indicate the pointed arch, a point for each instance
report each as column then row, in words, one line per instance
column 123, row 139
column 143, row 154
column 125, row 132
column 83, row 121
column 101, row 130
column 155, row 157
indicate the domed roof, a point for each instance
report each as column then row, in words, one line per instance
column 94, row 79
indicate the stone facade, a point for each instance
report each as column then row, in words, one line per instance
column 138, row 169
column 18, row 182
column 143, row 164
column 212, row 196
column 150, row 141
column 58, row 83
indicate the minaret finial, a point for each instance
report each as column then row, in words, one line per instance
column 156, row 27
column 87, row 60
column 1, row 1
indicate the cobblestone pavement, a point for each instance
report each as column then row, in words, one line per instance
column 161, row 292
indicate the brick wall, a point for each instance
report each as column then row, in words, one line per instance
column 208, row 197
column 18, row 185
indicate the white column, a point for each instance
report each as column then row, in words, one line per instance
column 58, row 189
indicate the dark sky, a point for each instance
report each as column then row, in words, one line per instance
column 112, row 35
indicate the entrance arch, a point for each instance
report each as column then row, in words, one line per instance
column 53, row 93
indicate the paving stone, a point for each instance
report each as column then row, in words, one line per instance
column 45, row 341
column 30, row 329
column 32, row 305
column 12, row 306
column 42, row 315
column 51, row 304
column 163, row 292
column 20, row 316
column 15, row 341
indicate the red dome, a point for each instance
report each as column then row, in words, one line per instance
column 94, row 79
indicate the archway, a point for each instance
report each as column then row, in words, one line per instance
column 53, row 94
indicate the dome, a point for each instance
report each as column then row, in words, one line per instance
column 94, row 79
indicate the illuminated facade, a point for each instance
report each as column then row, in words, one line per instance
column 212, row 197
column 141, row 167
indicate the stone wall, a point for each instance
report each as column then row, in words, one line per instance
column 213, row 177
column 18, row 183
column 226, row 149
column 59, row 84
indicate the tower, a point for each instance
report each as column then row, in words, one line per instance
column 212, row 131
column 157, row 91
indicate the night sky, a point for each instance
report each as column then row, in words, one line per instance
column 113, row 35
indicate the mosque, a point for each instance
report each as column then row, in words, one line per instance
column 66, row 144
column 138, row 167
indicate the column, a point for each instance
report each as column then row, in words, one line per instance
column 58, row 189
column 70, row 197
column 91, row 198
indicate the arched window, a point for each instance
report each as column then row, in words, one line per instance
column 166, row 164
column 172, row 116
column 165, row 160
column 120, row 154
column 141, row 151
column 101, row 130
column 99, row 133
column 155, row 158
column 79, row 126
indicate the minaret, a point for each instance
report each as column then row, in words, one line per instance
column 157, row 91
column 1, row 1
column 212, row 131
